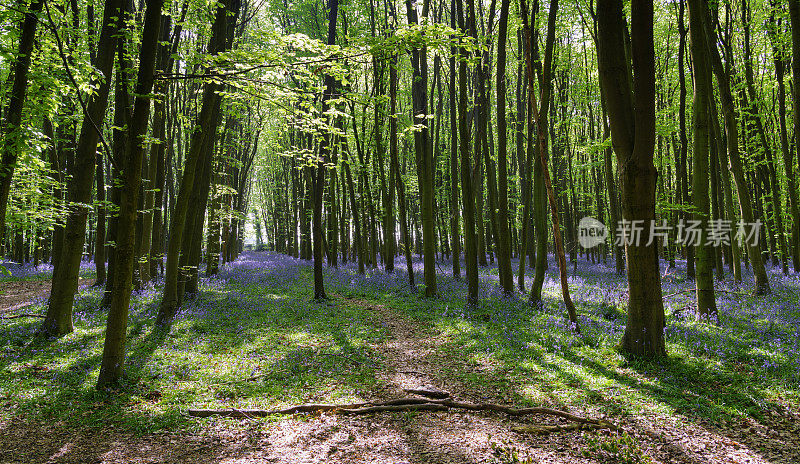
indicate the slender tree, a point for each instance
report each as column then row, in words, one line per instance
column 503, row 245
column 12, row 135
column 321, row 165
column 706, row 303
column 204, row 127
column 112, row 365
column 423, row 151
column 58, row 320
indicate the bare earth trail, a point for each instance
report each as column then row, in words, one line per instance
column 16, row 295
column 413, row 358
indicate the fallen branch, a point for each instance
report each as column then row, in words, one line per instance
column 413, row 404
column 692, row 290
column 19, row 316
column 249, row 413
column 17, row 306
column 546, row 429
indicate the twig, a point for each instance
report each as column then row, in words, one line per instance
column 19, row 316
column 693, row 290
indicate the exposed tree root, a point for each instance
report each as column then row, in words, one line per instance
column 419, row 404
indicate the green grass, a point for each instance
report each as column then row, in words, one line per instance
column 282, row 350
column 251, row 343
column 710, row 374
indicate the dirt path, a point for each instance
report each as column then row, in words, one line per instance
column 16, row 295
column 413, row 358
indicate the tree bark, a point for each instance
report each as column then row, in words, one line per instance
column 112, row 365
column 12, row 137
column 630, row 99
column 58, row 320
column 704, row 279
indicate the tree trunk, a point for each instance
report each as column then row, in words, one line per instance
column 682, row 165
column 100, row 228
column 424, row 155
column 630, row 95
column 12, row 136
column 113, row 361
column 775, row 200
column 320, row 168
column 723, row 78
column 722, row 153
column 794, row 16
column 503, row 246
column 704, row 279
column 467, row 195
column 204, row 128
column 58, row 320
column 455, row 212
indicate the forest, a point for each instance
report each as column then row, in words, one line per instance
column 418, row 231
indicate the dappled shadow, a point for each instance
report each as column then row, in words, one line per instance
column 27, row 442
column 253, row 338
column 713, row 392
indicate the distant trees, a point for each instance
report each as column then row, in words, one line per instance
column 12, row 137
column 357, row 135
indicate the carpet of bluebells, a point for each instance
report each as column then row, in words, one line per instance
column 253, row 337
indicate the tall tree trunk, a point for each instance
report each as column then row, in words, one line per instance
column 682, row 165
column 204, row 128
column 704, row 279
column 58, row 320
column 722, row 153
column 394, row 170
column 503, row 245
column 539, row 117
column 775, row 200
column 455, row 211
column 424, row 154
column 320, row 168
column 122, row 113
column 113, row 361
column 723, row 78
column 467, row 195
column 630, row 99
column 794, row 16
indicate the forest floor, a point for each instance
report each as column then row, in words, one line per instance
column 23, row 293
column 252, row 338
